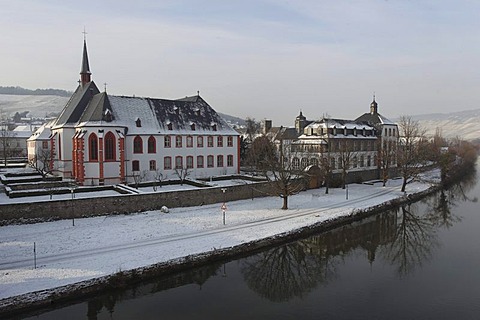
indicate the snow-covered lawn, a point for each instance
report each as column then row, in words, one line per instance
column 104, row 245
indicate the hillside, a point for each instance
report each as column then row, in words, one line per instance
column 462, row 124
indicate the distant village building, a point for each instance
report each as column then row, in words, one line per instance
column 366, row 143
column 104, row 139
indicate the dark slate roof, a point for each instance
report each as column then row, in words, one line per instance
column 96, row 109
column 77, row 103
column 85, row 65
column 373, row 119
column 182, row 112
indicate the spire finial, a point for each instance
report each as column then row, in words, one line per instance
column 85, row 74
column 84, row 34
column 373, row 95
column 198, row 92
column 105, row 86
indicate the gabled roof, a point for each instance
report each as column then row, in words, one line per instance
column 97, row 108
column 154, row 115
column 75, row 107
column 374, row 119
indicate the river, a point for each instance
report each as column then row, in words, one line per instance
column 421, row 261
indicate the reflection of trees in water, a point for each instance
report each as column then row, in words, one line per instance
column 285, row 272
column 414, row 239
column 440, row 204
column 108, row 300
column 282, row 273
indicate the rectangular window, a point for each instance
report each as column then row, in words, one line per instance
column 210, row 141
column 167, row 163
column 230, row 160
column 135, row 165
column 189, row 141
column 229, row 141
column 220, row 141
column 45, row 144
column 178, row 162
column 210, row 161
column 200, row 142
column 199, row 161
column 178, row 141
column 189, row 162
column 153, row 165
column 167, row 142
column 219, row 161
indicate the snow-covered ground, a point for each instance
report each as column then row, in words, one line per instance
column 100, row 246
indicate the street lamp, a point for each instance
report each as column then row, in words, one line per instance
column 346, row 185
column 224, row 206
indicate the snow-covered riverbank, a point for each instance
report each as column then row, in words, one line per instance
column 100, row 246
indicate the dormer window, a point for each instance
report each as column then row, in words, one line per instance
column 176, row 109
column 169, row 126
column 345, row 131
column 214, row 126
column 192, row 126
column 108, row 116
column 355, row 131
column 138, row 123
column 197, row 111
column 334, row 131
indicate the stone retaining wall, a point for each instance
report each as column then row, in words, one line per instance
column 128, row 203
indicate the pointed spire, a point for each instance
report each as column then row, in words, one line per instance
column 85, row 74
column 374, row 105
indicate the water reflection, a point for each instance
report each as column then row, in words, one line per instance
column 405, row 238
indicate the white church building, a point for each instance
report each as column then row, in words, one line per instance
column 105, row 139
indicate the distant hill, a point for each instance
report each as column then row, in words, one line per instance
column 462, row 124
column 39, row 106
column 36, row 92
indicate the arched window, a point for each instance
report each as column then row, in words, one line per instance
column 109, row 146
column 137, row 145
column 304, row 163
column 152, row 145
column 296, row 163
column 93, row 147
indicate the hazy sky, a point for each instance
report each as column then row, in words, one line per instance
column 256, row 58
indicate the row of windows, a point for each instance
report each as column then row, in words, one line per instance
column 109, row 141
column 359, row 162
column 189, row 140
column 167, row 142
column 179, row 164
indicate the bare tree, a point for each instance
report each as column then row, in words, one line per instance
column 42, row 162
column 387, row 151
column 285, row 175
column 138, row 176
column 346, row 154
column 182, row 173
column 412, row 150
column 158, row 176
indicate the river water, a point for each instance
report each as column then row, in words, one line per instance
column 421, row 261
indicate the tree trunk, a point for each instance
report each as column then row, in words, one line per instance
column 285, row 203
column 404, row 184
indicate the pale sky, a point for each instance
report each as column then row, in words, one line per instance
column 255, row 58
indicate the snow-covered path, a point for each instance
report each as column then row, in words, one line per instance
column 100, row 246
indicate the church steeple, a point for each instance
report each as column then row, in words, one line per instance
column 85, row 74
column 374, row 106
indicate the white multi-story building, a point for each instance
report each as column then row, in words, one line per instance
column 104, row 139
